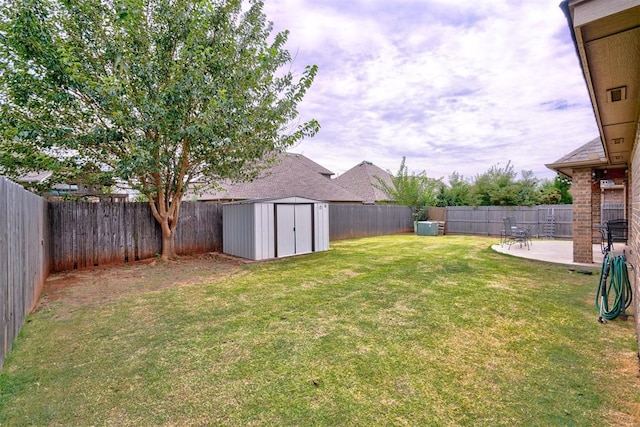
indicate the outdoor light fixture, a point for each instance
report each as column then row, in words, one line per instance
column 617, row 94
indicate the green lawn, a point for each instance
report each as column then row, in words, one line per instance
column 394, row 330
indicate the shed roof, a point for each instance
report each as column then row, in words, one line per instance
column 291, row 199
column 361, row 180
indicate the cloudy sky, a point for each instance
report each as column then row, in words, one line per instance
column 453, row 85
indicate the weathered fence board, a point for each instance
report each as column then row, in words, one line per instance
column 4, row 276
column 88, row 234
column 23, row 258
column 488, row 220
column 353, row 220
column 610, row 211
column 197, row 231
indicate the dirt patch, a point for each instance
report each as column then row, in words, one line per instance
column 102, row 284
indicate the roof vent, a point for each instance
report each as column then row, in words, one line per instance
column 617, row 94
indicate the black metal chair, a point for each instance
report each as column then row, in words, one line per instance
column 506, row 230
column 614, row 231
column 512, row 234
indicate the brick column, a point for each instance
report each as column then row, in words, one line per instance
column 633, row 244
column 582, row 221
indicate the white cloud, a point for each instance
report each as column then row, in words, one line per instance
column 451, row 85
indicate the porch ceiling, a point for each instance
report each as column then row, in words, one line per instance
column 607, row 37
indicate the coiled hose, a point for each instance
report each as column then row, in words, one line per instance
column 614, row 290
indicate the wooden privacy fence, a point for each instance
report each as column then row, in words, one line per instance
column 357, row 220
column 550, row 221
column 87, row 234
column 610, row 211
column 23, row 258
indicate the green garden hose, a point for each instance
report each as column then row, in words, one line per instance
column 614, row 290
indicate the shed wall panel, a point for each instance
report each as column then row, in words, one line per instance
column 238, row 231
column 264, row 230
column 321, row 219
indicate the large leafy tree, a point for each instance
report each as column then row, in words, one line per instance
column 456, row 193
column 499, row 186
column 158, row 93
column 556, row 191
column 411, row 189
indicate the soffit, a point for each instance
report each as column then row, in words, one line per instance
column 610, row 52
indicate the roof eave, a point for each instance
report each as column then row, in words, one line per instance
column 564, row 168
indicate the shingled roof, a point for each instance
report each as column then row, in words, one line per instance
column 291, row 175
column 312, row 165
column 590, row 154
column 361, row 180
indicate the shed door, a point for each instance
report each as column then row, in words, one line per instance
column 304, row 229
column 285, row 234
column 294, row 227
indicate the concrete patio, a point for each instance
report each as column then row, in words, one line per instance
column 556, row 251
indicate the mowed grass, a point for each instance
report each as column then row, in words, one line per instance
column 393, row 330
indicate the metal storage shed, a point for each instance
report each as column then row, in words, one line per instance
column 274, row 228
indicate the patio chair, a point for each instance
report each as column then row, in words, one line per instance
column 506, row 231
column 614, row 231
column 515, row 234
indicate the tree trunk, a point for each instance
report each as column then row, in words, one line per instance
column 167, row 217
column 168, row 243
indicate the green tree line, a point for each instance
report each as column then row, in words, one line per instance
column 498, row 186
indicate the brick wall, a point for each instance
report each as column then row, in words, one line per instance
column 612, row 196
column 633, row 245
column 582, row 193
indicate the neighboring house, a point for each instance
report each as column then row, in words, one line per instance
column 62, row 191
column 311, row 165
column 290, row 175
column 361, row 180
column 609, row 189
column 607, row 39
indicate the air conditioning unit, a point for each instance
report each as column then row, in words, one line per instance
column 427, row 228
